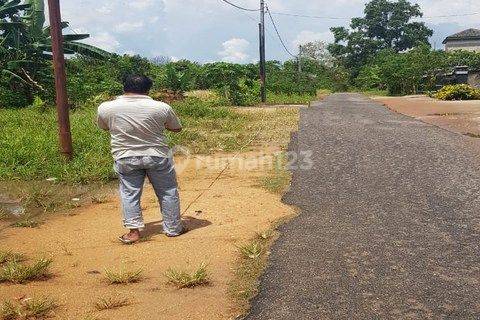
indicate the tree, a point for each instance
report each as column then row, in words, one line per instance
column 402, row 72
column 386, row 25
column 25, row 48
column 34, row 19
column 316, row 50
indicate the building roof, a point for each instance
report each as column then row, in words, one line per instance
column 469, row 34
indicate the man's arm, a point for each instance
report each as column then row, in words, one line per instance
column 173, row 123
column 102, row 124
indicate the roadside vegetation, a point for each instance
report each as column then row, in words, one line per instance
column 184, row 279
column 457, row 92
column 110, row 303
column 29, row 308
column 18, row 272
column 123, row 276
column 251, row 263
column 278, row 179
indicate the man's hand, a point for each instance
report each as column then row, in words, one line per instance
column 175, row 130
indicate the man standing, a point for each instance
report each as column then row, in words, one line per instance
column 137, row 125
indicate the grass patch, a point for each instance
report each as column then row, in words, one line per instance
column 111, row 303
column 295, row 98
column 42, row 197
column 4, row 215
column 17, row 272
column 183, row 279
column 26, row 222
column 92, row 160
column 375, row 92
column 278, row 179
column 34, row 308
column 208, row 127
column 123, row 276
column 252, row 250
column 250, row 266
column 9, row 256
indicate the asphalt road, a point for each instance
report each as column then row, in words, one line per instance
column 389, row 224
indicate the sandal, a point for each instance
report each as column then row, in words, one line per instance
column 185, row 230
column 123, row 239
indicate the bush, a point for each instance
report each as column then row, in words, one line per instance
column 458, row 92
column 10, row 99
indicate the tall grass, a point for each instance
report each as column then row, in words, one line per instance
column 29, row 147
column 29, row 143
column 283, row 98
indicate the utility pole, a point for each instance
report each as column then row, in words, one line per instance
column 299, row 59
column 262, row 52
column 63, row 119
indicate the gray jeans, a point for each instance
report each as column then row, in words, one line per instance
column 161, row 173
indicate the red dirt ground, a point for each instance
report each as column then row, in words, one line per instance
column 457, row 116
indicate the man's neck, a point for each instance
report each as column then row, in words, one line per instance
column 134, row 94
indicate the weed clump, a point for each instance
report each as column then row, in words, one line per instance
column 17, row 272
column 32, row 308
column 252, row 250
column 111, row 303
column 123, row 276
column 10, row 256
column 183, row 279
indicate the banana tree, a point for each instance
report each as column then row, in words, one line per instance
column 35, row 20
column 25, row 43
column 13, row 53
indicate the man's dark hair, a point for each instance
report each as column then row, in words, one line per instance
column 137, row 84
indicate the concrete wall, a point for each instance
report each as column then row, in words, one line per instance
column 463, row 45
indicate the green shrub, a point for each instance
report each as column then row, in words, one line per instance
column 10, row 99
column 458, row 92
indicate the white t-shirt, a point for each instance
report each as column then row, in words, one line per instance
column 137, row 125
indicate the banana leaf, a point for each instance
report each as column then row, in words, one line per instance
column 7, row 10
column 46, row 30
column 75, row 37
column 87, row 50
column 35, row 16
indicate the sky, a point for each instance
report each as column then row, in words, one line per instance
column 211, row 30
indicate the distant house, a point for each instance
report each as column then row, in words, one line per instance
column 466, row 40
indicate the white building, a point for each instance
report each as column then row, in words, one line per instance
column 466, row 40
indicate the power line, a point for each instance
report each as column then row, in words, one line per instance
column 299, row 15
column 241, row 8
column 308, row 16
column 278, row 34
column 451, row 15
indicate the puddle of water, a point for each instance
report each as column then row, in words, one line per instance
column 11, row 206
